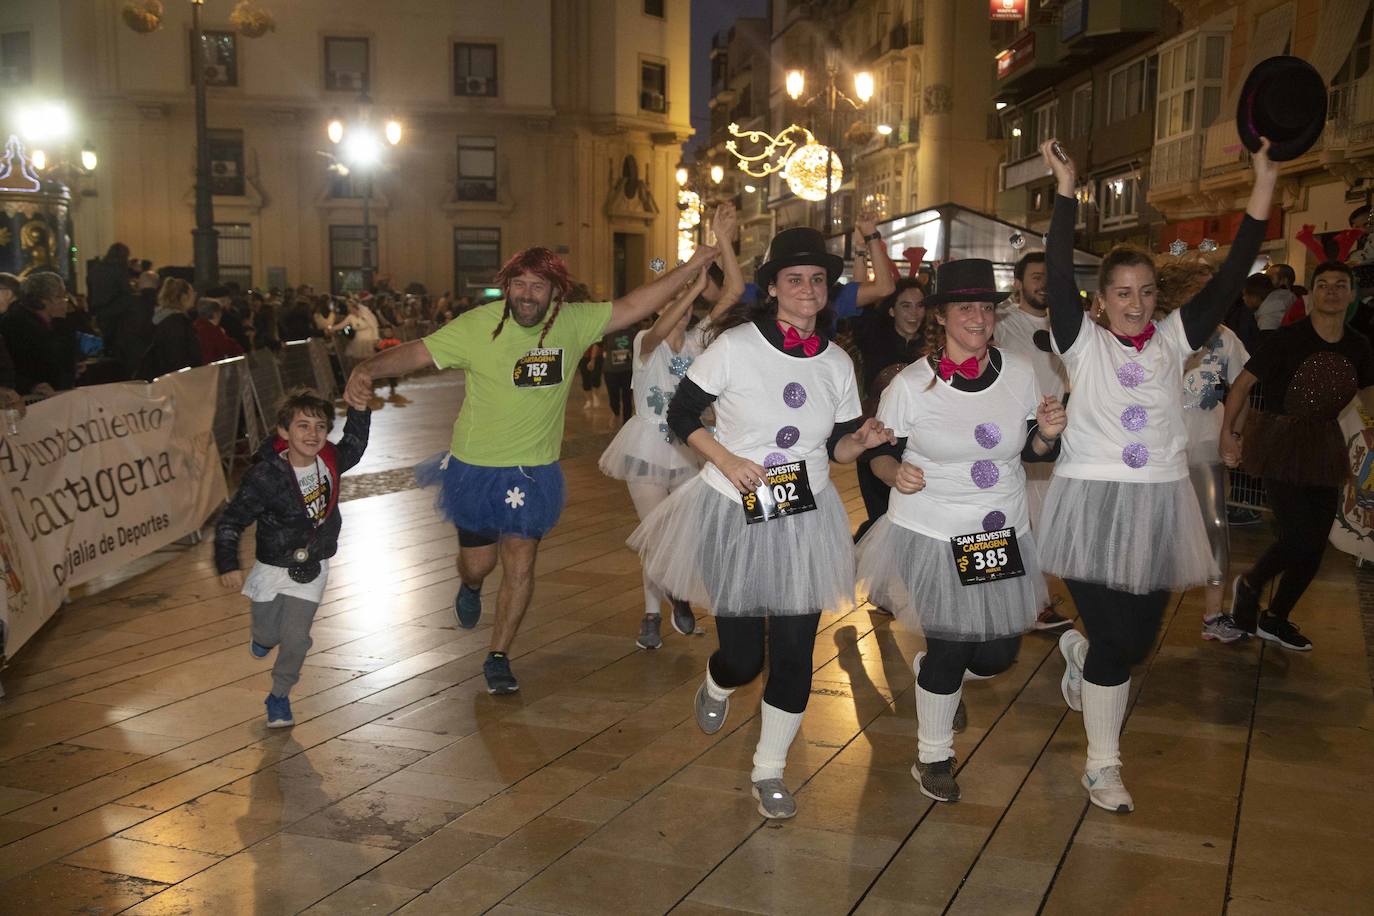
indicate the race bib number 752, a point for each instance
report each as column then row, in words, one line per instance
column 542, row 368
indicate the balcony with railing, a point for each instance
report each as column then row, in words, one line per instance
column 1350, row 114
column 1176, row 162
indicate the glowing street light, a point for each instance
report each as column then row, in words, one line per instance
column 717, row 174
column 863, row 85
column 796, row 83
column 681, row 176
column 41, row 122
column 89, row 160
column 335, row 130
column 393, row 132
column 885, row 129
column 39, row 160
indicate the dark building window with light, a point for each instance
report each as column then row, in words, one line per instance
column 476, row 168
column 346, row 258
column 226, row 162
column 476, row 259
column 16, row 59
column 219, row 58
column 236, row 253
column 474, row 69
column 346, row 67
column 653, row 86
column 653, row 8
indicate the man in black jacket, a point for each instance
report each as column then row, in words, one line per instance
column 292, row 492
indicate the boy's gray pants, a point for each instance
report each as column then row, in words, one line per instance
column 284, row 622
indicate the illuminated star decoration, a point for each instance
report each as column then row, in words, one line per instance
column 1178, row 247
column 1207, row 246
column 658, row 265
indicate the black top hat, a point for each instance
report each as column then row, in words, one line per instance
column 965, row 280
column 797, row 248
column 1284, row 100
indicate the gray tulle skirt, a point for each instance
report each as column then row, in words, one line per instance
column 913, row 575
column 697, row 546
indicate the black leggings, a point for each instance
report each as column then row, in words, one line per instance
column 1121, row 628
column 739, row 659
column 876, row 495
column 942, row 670
column 1303, row 516
column 618, row 386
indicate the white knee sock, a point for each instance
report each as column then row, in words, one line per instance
column 779, row 728
column 935, row 724
column 1104, row 709
column 653, row 598
column 715, row 691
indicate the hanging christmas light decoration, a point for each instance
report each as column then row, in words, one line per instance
column 688, row 218
column 805, row 171
column 252, row 20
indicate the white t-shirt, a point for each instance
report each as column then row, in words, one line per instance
column 264, row 581
column 1217, row 364
column 1271, row 311
column 968, row 444
column 771, row 407
column 1125, row 419
column 657, row 376
column 1016, row 333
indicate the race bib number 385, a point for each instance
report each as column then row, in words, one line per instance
column 987, row 556
column 785, row 490
column 541, row 368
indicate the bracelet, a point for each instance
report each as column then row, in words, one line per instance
column 874, row 237
column 1045, row 439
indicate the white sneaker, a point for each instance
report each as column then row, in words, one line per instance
column 1106, row 790
column 1073, row 646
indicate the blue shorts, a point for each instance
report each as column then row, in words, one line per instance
column 523, row 502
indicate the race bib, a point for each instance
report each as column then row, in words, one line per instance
column 987, row 556
column 539, row 368
column 785, row 490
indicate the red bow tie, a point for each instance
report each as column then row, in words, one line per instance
column 968, row 368
column 1140, row 340
column 792, row 340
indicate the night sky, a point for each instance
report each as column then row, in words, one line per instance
column 708, row 18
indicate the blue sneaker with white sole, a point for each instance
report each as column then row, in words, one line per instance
column 468, row 606
column 279, row 712
column 258, row 649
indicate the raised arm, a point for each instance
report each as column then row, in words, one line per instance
column 882, row 284
column 669, row 317
column 1066, row 309
column 726, row 227
column 638, row 304
column 1204, row 312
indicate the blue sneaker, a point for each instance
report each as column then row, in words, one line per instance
column 279, row 712
column 258, row 650
column 468, row 606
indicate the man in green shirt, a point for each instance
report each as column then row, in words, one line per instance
column 500, row 483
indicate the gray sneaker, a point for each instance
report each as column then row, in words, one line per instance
column 710, row 713
column 684, row 621
column 649, row 637
column 775, row 802
column 1222, row 628
column 937, row 779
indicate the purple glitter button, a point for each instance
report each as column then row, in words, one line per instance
column 987, row 435
column 787, row 437
column 1136, row 455
column 773, row 459
column 794, row 395
column 1134, row 417
column 994, row 521
column 1130, row 375
column 984, row 474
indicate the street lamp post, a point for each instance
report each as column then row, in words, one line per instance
column 359, row 150
column 832, row 95
column 205, row 238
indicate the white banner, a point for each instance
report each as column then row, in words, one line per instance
column 96, row 477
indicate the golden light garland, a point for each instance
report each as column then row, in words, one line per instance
column 795, row 154
column 805, row 171
column 688, row 218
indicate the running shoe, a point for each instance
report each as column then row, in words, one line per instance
column 1106, row 790
column 467, row 605
column 937, row 779
column 649, row 637
column 710, row 713
column 1222, row 628
column 1073, row 646
column 1239, row 516
column 1050, row 619
column 258, row 649
column 1244, row 604
column 684, row 621
column 775, row 802
column 1283, row 632
column 500, row 679
column 279, row 711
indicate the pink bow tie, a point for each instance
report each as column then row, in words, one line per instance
column 792, row 340
column 1140, row 340
column 968, row 368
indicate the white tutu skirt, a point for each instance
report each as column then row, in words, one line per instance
column 697, row 546
column 1133, row 537
column 641, row 452
column 913, row 575
column 1038, row 476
